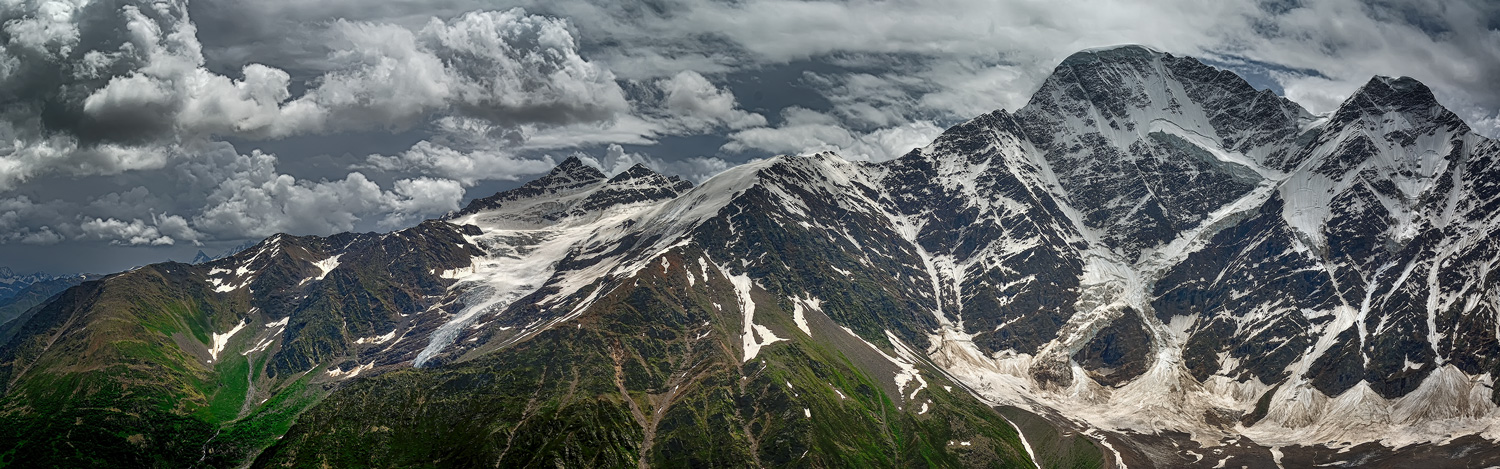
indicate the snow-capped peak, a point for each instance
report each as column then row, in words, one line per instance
column 572, row 170
column 571, row 190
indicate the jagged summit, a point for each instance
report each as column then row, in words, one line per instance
column 636, row 172
column 568, row 176
column 1146, row 144
column 575, row 169
column 1124, row 82
column 574, row 188
column 1396, row 93
column 1113, row 53
column 1406, row 96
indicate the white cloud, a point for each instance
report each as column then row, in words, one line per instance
column 259, row 201
column 505, row 67
column 517, row 68
column 807, row 131
column 24, row 155
column 171, row 93
column 137, row 232
column 256, row 201
column 155, row 93
column 51, row 30
column 382, row 78
column 414, row 199
column 700, row 105
column 467, row 167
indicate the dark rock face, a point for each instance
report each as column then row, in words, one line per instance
column 1089, row 118
column 635, row 185
column 1022, row 278
column 1246, row 271
column 1118, row 353
column 570, row 175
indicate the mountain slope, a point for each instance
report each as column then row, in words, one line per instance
column 1312, row 276
column 672, row 357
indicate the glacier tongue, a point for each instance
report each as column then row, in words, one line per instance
column 520, row 262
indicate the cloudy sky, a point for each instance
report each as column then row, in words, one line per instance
column 134, row 132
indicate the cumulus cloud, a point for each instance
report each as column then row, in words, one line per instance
column 162, row 230
column 467, row 167
column 257, row 200
column 25, row 221
column 415, row 199
column 807, row 131
column 169, row 92
column 143, row 93
column 506, row 67
column 699, row 104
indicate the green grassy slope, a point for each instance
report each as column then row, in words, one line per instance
column 650, row 375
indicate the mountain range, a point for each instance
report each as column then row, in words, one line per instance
column 1151, row 264
column 19, row 293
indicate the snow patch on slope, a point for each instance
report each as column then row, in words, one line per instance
column 379, row 339
column 754, row 336
column 221, row 340
column 326, row 265
column 346, row 374
column 799, row 313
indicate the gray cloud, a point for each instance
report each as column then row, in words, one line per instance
column 25, row 221
column 807, row 131
column 255, row 200
column 139, row 98
column 467, row 167
column 699, row 105
column 162, row 230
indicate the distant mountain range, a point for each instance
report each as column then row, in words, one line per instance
column 19, row 293
column 12, row 283
column 1151, row 264
column 203, row 257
